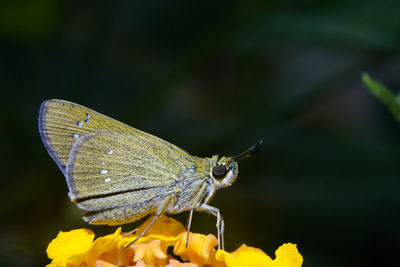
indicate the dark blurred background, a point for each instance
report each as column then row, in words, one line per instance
column 214, row 77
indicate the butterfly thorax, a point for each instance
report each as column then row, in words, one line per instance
column 198, row 185
column 188, row 184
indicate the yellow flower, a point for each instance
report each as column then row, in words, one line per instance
column 77, row 248
column 286, row 256
column 70, row 247
column 200, row 248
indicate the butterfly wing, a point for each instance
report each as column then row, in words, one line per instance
column 63, row 123
column 115, row 172
column 124, row 207
column 119, row 178
column 108, row 162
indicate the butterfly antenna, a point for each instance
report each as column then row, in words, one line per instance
column 249, row 152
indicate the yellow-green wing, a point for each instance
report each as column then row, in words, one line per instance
column 107, row 162
column 124, row 207
column 62, row 124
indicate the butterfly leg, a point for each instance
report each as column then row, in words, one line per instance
column 220, row 222
column 195, row 204
column 157, row 214
column 130, row 232
column 189, row 223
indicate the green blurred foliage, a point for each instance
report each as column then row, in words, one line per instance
column 391, row 100
column 214, row 77
column 27, row 20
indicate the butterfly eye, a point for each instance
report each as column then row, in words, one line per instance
column 219, row 171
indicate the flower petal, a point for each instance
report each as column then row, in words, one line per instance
column 67, row 244
column 175, row 263
column 141, row 264
column 251, row 256
column 150, row 253
column 287, row 255
column 244, row 258
column 199, row 247
column 164, row 225
column 165, row 229
column 76, row 248
column 101, row 263
column 70, row 246
column 108, row 248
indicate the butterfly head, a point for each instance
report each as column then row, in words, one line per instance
column 225, row 169
column 224, row 172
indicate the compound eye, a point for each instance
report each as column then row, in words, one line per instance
column 219, row 171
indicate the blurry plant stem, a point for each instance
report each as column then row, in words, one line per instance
column 386, row 96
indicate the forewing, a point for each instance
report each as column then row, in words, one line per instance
column 106, row 163
column 62, row 124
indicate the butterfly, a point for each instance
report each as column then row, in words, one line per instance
column 119, row 174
